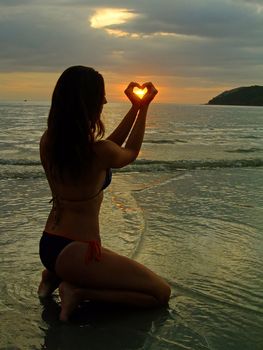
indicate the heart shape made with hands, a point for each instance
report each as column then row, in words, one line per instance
column 140, row 92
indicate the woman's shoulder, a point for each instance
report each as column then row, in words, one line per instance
column 101, row 146
column 102, row 150
column 105, row 148
column 112, row 155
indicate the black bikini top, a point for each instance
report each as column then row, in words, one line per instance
column 106, row 183
column 107, row 180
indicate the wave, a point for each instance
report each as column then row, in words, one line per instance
column 185, row 290
column 164, row 142
column 26, row 162
column 22, row 168
column 252, row 137
column 143, row 165
column 244, row 150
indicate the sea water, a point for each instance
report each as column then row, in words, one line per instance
column 190, row 208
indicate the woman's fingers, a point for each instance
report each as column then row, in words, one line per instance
column 150, row 87
column 135, row 100
column 151, row 92
column 132, row 85
column 149, row 83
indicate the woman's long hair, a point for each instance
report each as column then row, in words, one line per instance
column 74, row 121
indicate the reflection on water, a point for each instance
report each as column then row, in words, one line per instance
column 97, row 326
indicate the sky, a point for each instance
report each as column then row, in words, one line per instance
column 191, row 50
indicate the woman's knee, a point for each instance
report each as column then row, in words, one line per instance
column 163, row 294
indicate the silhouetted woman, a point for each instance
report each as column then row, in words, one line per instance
column 78, row 163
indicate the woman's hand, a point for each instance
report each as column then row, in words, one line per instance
column 146, row 99
column 150, row 94
column 135, row 100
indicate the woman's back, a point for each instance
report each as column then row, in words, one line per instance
column 76, row 200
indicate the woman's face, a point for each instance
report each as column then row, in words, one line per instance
column 104, row 101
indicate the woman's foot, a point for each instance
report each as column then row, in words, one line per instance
column 48, row 284
column 70, row 299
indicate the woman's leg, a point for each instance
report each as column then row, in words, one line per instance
column 114, row 278
column 48, row 284
column 72, row 295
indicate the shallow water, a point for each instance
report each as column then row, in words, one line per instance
column 194, row 217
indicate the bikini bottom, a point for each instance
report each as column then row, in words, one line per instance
column 51, row 245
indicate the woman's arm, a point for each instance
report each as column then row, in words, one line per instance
column 115, row 156
column 135, row 138
column 120, row 134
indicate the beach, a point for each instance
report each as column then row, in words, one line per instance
column 190, row 208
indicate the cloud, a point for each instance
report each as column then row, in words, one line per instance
column 209, row 19
column 209, row 40
column 106, row 17
column 35, row 39
column 12, row 3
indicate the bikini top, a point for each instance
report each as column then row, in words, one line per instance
column 107, row 180
column 106, row 183
column 57, row 201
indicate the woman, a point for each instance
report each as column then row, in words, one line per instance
column 77, row 164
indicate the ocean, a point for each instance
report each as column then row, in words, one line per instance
column 190, row 208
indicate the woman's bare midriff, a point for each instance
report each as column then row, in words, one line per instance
column 77, row 220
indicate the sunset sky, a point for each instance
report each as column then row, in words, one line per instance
column 191, row 49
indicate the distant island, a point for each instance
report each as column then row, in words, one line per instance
column 241, row 96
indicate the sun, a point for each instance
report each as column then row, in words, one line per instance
column 140, row 92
